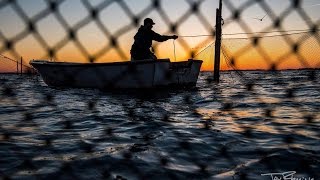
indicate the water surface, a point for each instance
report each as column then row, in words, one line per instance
column 245, row 126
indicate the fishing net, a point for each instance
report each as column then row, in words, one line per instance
column 251, row 123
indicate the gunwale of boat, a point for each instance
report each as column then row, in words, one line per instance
column 53, row 63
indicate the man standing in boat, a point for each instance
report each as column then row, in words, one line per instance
column 140, row 49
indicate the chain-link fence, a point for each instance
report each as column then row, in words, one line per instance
column 251, row 123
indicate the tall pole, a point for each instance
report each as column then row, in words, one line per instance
column 216, row 73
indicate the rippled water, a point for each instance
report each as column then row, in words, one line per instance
column 259, row 123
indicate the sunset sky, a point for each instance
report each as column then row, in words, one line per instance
column 115, row 19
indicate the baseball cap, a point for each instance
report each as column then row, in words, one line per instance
column 148, row 21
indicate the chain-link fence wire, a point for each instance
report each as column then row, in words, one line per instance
column 73, row 32
column 96, row 150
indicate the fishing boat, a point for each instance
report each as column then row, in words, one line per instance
column 113, row 75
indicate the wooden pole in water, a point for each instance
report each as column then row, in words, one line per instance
column 21, row 66
column 216, row 72
column 17, row 67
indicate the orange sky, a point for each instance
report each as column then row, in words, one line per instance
column 249, row 59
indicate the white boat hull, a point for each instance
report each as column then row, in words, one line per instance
column 139, row 74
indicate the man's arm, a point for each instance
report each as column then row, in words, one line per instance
column 160, row 38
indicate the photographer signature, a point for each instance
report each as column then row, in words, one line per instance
column 285, row 176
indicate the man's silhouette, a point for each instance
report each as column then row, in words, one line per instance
column 140, row 49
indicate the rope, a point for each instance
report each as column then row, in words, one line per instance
column 289, row 32
column 201, row 35
column 279, row 31
column 17, row 61
column 174, row 50
column 227, row 58
column 5, row 57
column 209, row 46
column 266, row 36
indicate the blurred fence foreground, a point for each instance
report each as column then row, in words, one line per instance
column 252, row 123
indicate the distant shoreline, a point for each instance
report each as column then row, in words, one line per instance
column 302, row 69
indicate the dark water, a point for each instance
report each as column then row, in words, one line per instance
column 259, row 123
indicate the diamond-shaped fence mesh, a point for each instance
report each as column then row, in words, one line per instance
column 261, row 118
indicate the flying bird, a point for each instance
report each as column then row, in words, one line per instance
column 260, row 19
column 313, row 5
